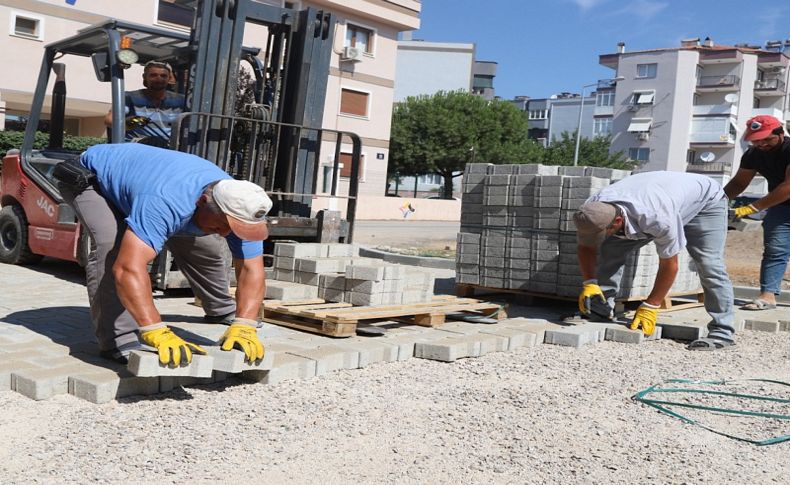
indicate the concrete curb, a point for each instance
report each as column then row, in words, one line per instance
column 748, row 292
column 425, row 262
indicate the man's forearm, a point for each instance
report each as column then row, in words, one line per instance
column 667, row 271
column 250, row 287
column 780, row 194
column 134, row 291
column 588, row 257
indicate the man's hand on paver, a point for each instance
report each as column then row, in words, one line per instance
column 645, row 317
column 172, row 348
column 745, row 210
column 243, row 335
column 590, row 290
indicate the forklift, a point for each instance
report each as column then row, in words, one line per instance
column 276, row 141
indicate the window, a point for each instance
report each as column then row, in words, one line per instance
column 359, row 37
column 640, row 125
column 604, row 98
column 602, row 127
column 639, row 154
column 431, row 179
column 173, row 13
column 345, row 170
column 353, row 102
column 537, row 114
column 646, row 70
column 27, row 26
column 292, row 5
column 644, row 97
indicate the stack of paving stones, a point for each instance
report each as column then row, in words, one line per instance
column 336, row 273
column 517, row 231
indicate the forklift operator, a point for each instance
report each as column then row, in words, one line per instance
column 136, row 199
column 154, row 103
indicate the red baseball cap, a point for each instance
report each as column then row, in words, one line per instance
column 759, row 127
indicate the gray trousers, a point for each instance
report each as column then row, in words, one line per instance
column 705, row 234
column 198, row 258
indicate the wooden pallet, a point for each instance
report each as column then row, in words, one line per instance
column 341, row 319
column 674, row 301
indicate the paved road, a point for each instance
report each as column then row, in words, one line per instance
column 406, row 233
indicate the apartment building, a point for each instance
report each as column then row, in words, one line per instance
column 360, row 89
column 425, row 68
column 550, row 117
column 685, row 108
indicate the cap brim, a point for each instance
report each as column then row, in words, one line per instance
column 758, row 135
column 248, row 232
column 591, row 240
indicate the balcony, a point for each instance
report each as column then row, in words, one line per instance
column 709, row 168
column 715, row 109
column 712, row 131
column 776, row 113
column 603, row 111
column 726, row 82
column 769, row 87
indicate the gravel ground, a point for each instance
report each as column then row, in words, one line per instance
column 545, row 414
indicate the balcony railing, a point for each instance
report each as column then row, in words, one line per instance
column 713, row 167
column 714, row 81
column 769, row 85
column 715, row 109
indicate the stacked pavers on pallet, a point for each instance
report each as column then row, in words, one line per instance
column 336, row 273
column 517, row 231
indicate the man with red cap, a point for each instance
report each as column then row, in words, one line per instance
column 769, row 156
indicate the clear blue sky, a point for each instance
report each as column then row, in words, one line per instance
column 544, row 47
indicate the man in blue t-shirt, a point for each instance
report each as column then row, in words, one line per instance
column 144, row 198
column 154, row 103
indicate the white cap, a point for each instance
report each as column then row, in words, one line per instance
column 245, row 204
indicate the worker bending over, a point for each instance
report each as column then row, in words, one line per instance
column 675, row 210
column 135, row 200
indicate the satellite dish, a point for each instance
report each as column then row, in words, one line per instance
column 707, row 157
column 731, row 98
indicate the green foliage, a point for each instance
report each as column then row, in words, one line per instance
column 592, row 153
column 13, row 139
column 442, row 133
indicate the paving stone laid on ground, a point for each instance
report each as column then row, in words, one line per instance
column 47, row 345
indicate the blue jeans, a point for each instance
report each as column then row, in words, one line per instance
column 705, row 237
column 776, row 248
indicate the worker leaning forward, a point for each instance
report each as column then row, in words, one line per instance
column 675, row 210
column 134, row 200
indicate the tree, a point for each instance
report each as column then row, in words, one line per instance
column 592, row 153
column 443, row 132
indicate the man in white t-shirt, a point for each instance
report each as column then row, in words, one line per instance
column 675, row 210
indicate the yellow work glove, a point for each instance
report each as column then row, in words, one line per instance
column 172, row 348
column 590, row 290
column 645, row 317
column 745, row 210
column 243, row 335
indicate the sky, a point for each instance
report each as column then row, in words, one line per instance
column 545, row 47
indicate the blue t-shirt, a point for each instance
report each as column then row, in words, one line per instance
column 157, row 189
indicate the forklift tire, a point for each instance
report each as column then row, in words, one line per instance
column 13, row 237
column 83, row 248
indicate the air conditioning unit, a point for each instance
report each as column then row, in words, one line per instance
column 351, row 54
column 644, row 136
column 632, row 107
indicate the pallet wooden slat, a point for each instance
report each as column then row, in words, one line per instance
column 340, row 320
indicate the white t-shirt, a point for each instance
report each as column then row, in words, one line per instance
column 659, row 204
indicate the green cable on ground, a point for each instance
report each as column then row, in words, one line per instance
column 659, row 404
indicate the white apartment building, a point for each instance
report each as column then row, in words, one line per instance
column 359, row 94
column 685, row 108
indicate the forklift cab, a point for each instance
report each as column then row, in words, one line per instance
column 276, row 141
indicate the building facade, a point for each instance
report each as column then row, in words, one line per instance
column 685, row 108
column 359, row 96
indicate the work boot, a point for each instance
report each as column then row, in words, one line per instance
column 120, row 354
column 226, row 319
